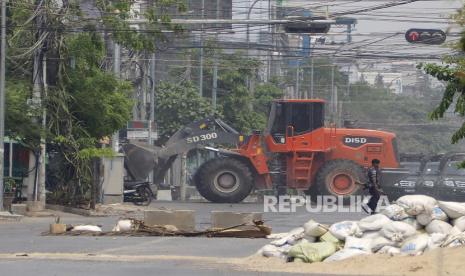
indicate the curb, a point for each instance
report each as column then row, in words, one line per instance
column 73, row 210
column 7, row 216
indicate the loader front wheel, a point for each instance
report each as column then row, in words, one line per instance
column 224, row 180
column 339, row 178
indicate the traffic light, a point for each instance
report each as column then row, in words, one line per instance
column 306, row 27
column 425, row 36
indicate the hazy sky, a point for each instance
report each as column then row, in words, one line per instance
column 378, row 24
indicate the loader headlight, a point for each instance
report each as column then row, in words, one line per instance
column 449, row 183
column 428, row 183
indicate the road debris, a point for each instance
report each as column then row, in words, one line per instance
column 134, row 227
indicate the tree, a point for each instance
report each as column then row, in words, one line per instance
column 178, row 105
column 453, row 74
column 85, row 102
column 404, row 115
column 243, row 106
column 379, row 81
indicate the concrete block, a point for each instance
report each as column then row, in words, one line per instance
column 20, row 208
column 57, row 228
column 182, row 219
column 164, row 195
column 35, row 206
column 221, row 219
column 7, row 216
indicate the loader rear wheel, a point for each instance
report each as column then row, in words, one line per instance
column 338, row 178
column 224, row 180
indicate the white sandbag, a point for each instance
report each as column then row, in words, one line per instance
column 380, row 242
column 454, row 240
column 373, row 222
column 285, row 248
column 413, row 222
column 416, row 204
column 454, row 231
column 276, row 236
column 345, row 254
column 439, row 214
column 436, row 240
column 459, row 223
column 314, row 229
column 436, row 213
column 438, row 226
column 395, row 212
column 124, row 225
column 453, row 209
column 271, row 251
column 371, row 235
column 92, row 228
column 424, row 218
column 293, row 237
column 358, row 243
column 397, row 231
column 343, row 229
column 279, row 242
column 414, row 245
column 390, row 250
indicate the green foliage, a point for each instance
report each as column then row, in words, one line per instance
column 88, row 154
column 115, row 13
column 242, row 105
column 18, row 114
column 85, row 102
column 406, row 116
column 178, row 105
column 452, row 72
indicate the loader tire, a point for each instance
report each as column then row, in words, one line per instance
column 224, row 180
column 338, row 178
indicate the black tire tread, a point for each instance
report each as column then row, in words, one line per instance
column 201, row 180
column 320, row 188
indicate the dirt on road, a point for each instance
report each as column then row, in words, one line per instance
column 443, row 261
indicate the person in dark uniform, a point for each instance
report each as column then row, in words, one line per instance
column 373, row 185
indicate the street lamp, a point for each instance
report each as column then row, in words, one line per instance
column 248, row 25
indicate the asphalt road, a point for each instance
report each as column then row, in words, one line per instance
column 24, row 237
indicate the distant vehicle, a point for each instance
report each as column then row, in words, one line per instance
column 451, row 182
column 415, row 164
column 427, row 183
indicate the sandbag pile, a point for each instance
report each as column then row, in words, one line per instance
column 412, row 225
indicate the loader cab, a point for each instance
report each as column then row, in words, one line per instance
column 294, row 117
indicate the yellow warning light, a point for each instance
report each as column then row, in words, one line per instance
column 202, row 126
column 241, row 138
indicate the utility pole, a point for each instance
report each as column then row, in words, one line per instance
column 311, row 80
column 152, row 105
column 152, row 95
column 297, row 80
column 43, row 145
column 117, row 72
column 215, row 66
column 201, row 52
column 332, row 92
column 2, row 97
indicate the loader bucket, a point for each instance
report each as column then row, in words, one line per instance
column 140, row 160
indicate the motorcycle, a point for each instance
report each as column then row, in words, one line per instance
column 138, row 192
